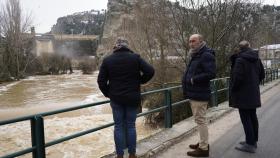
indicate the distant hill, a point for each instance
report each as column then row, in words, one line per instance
column 84, row 23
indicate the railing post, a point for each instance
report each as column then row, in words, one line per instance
column 227, row 86
column 38, row 137
column 277, row 72
column 270, row 75
column 214, row 94
column 168, row 110
column 266, row 76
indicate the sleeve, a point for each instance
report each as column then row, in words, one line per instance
column 102, row 79
column 209, row 69
column 262, row 72
column 147, row 71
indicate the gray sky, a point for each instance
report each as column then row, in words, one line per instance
column 46, row 12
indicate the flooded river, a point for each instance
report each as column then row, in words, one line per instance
column 46, row 93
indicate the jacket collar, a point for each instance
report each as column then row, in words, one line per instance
column 122, row 49
column 200, row 52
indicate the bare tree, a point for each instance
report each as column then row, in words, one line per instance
column 14, row 26
column 223, row 24
column 153, row 37
column 159, row 29
column 2, row 67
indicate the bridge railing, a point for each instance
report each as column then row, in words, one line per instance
column 271, row 74
column 37, row 121
column 218, row 87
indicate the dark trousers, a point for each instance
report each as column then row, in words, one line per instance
column 250, row 124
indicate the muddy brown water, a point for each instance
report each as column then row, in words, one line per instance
column 47, row 93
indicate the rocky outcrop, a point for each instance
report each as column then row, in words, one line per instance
column 119, row 12
column 84, row 23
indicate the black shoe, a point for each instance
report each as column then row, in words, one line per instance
column 246, row 148
column 194, row 146
column 199, row 153
column 244, row 142
column 132, row 156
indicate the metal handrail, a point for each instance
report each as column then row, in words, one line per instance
column 37, row 121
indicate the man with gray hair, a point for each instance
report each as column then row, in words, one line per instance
column 119, row 79
column 196, row 87
column 247, row 72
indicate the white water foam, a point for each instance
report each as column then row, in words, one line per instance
column 5, row 88
column 93, row 99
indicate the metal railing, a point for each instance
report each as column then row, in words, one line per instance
column 37, row 121
column 271, row 74
column 218, row 86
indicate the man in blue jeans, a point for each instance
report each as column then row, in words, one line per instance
column 119, row 79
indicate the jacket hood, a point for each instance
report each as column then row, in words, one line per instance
column 250, row 55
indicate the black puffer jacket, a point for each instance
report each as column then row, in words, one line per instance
column 247, row 72
column 121, row 74
column 202, row 68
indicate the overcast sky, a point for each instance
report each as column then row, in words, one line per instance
column 46, row 12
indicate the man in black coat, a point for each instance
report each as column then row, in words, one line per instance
column 119, row 79
column 247, row 72
column 196, row 87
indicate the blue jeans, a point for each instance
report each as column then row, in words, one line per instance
column 124, row 118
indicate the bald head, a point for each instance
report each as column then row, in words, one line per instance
column 197, row 36
column 195, row 41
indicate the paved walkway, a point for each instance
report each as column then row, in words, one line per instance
column 226, row 132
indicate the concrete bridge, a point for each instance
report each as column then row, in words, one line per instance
column 225, row 132
column 224, row 127
column 65, row 37
column 53, row 43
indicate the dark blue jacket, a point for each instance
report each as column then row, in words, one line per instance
column 120, row 77
column 247, row 72
column 202, row 68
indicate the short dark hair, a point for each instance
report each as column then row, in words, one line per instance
column 244, row 44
